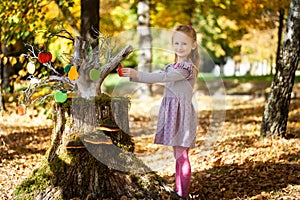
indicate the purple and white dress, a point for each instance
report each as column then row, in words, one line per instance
column 177, row 119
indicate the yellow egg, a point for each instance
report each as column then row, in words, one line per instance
column 73, row 74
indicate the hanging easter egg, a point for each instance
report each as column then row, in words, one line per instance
column 67, row 68
column 21, row 109
column 73, row 74
column 31, row 67
column 44, row 57
column 34, row 80
column 94, row 74
column 119, row 70
column 60, row 96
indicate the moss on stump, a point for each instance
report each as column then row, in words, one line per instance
column 78, row 174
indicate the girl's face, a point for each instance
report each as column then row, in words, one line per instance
column 183, row 45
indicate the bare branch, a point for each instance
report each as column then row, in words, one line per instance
column 69, row 37
column 31, row 50
column 33, row 55
column 62, row 79
column 42, row 98
column 113, row 63
column 49, row 65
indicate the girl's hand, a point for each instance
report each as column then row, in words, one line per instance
column 129, row 72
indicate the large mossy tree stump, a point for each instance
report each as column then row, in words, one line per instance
column 77, row 172
column 91, row 154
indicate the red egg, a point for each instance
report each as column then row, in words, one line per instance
column 21, row 109
column 120, row 70
column 44, row 57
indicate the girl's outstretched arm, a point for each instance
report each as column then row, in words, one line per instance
column 155, row 77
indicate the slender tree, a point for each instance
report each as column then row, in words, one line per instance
column 275, row 116
column 280, row 29
column 144, row 36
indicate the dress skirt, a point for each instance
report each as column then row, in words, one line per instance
column 177, row 123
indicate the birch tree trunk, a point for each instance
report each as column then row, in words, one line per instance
column 279, row 35
column 275, row 117
column 145, row 62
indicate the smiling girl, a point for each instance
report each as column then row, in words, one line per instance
column 177, row 119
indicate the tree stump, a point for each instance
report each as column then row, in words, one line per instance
column 91, row 154
column 99, row 170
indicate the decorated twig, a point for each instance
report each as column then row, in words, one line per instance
column 85, row 72
column 43, row 57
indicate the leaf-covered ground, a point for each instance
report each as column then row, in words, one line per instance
column 240, row 164
column 23, row 142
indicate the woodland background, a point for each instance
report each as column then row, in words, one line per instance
column 242, row 164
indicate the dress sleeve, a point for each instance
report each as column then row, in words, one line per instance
column 169, row 75
column 188, row 67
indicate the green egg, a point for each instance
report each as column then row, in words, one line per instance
column 94, row 74
column 60, row 96
column 67, row 68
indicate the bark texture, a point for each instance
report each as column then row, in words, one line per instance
column 275, row 117
column 90, row 172
column 85, row 161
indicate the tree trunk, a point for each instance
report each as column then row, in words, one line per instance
column 1, row 101
column 91, row 155
column 275, row 117
column 89, row 28
column 1, row 87
column 280, row 29
column 95, row 170
column 7, row 71
column 145, row 40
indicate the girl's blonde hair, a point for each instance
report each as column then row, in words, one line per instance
column 190, row 31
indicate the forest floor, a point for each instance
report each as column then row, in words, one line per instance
column 235, row 163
